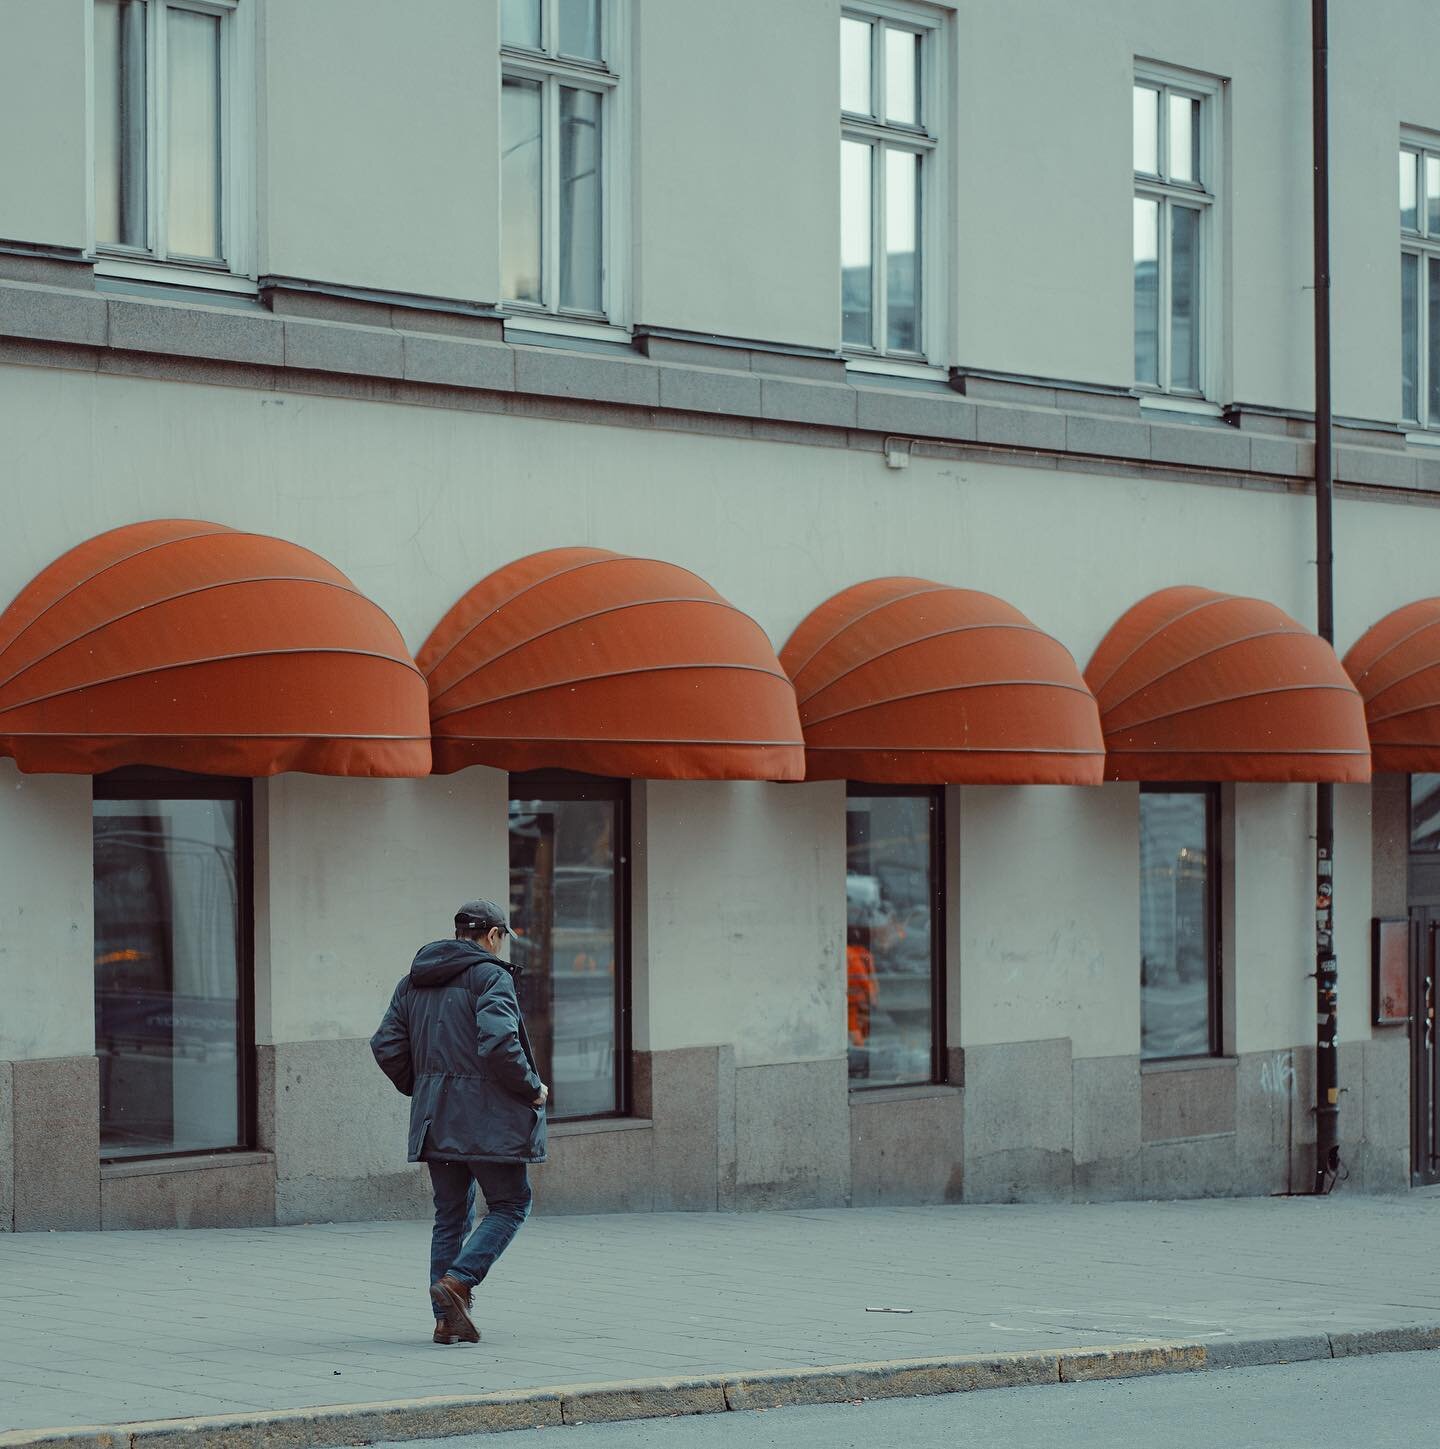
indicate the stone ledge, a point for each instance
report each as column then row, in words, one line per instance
column 917, row 1092
column 201, row 1162
column 385, row 348
column 600, row 1124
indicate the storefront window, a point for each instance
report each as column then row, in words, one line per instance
column 172, row 978
column 893, row 936
column 1424, row 813
column 568, row 876
column 1179, row 956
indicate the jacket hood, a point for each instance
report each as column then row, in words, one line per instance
column 442, row 961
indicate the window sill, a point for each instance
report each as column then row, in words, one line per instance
column 543, row 328
column 194, row 279
column 916, row 1092
column 1187, row 1064
column 199, row 1162
column 893, row 367
column 1189, row 406
column 600, row 1124
column 1423, row 439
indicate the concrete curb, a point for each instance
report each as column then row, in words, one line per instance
column 444, row 1417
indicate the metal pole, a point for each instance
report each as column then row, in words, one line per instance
column 1327, row 1073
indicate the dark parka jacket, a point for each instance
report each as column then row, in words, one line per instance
column 454, row 1043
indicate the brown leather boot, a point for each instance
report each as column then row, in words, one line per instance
column 452, row 1299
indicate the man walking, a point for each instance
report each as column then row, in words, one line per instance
column 453, row 1042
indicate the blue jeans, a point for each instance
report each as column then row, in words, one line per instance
column 507, row 1200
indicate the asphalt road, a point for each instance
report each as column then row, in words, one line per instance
column 1380, row 1402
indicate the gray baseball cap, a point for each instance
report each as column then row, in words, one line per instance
column 481, row 916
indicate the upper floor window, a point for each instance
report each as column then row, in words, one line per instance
column 1175, row 237
column 1179, row 922
column 559, row 87
column 1420, row 284
column 890, row 192
column 172, row 112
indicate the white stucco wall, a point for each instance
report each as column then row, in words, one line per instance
column 358, row 874
column 44, row 184
column 1274, row 917
column 745, row 935
column 737, row 132
column 1050, row 917
column 417, row 504
column 47, row 916
column 379, row 168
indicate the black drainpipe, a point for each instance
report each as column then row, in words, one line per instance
column 1327, row 1066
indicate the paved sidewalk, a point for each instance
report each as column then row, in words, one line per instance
column 119, row 1327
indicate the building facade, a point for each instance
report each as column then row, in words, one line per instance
column 324, row 325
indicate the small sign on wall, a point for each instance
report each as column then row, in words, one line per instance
column 1390, row 953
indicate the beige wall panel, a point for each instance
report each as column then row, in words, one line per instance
column 1029, row 175
column 1382, row 78
column 380, row 167
column 738, row 172
column 1050, row 917
column 1274, row 912
column 361, row 873
column 44, row 177
column 746, row 891
column 47, row 921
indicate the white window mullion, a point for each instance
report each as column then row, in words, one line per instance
column 1163, row 302
column 155, row 58
column 550, row 188
column 1421, row 380
column 877, row 247
column 877, row 68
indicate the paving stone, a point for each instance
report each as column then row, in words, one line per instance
column 205, row 1321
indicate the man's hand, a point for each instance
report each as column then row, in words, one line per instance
column 543, row 1097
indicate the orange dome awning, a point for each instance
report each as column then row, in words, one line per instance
column 1198, row 685
column 193, row 646
column 1396, row 668
column 583, row 659
column 906, row 682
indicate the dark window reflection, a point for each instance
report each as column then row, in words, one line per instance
column 565, row 866
column 1425, row 812
column 1177, row 936
column 890, row 943
column 168, row 975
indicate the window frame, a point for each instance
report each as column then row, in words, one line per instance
column 144, row 783
column 571, row 785
column 1204, row 195
column 607, row 78
column 236, row 270
column 923, row 140
column 1214, row 914
column 939, row 1042
column 1425, row 246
